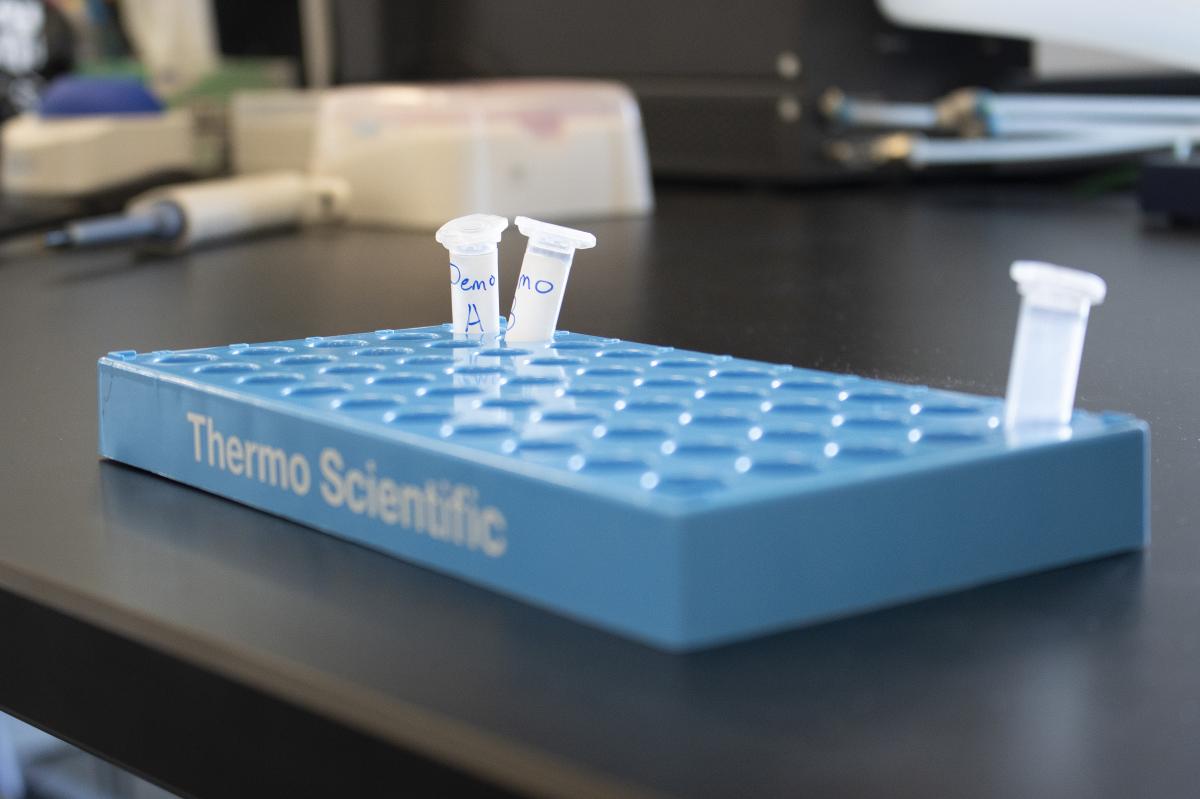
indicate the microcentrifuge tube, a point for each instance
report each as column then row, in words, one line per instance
column 474, row 273
column 1055, row 302
column 543, row 278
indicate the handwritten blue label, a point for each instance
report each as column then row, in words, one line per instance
column 467, row 283
column 540, row 286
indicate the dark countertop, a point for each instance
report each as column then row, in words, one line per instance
column 276, row 648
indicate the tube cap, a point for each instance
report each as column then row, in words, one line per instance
column 555, row 237
column 1042, row 280
column 472, row 229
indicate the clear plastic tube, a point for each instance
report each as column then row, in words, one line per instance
column 474, row 272
column 1048, row 347
column 543, row 279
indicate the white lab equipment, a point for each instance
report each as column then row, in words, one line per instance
column 1162, row 31
column 69, row 156
column 272, row 129
column 474, row 272
column 1055, row 302
column 176, row 218
column 415, row 155
column 543, row 278
column 175, row 40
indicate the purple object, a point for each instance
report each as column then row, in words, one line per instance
column 85, row 96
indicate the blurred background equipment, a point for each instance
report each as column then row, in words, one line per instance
column 94, row 135
column 414, row 156
column 431, row 110
column 176, row 218
column 1052, row 129
column 728, row 93
column 173, row 39
column 79, row 145
column 36, row 45
column 272, row 129
column 977, row 127
column 1169, row 188
column 758, row 92
column 1160, row 31
column 92, row 144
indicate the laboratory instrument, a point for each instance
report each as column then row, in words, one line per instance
column 272, row 129
column 176, row 218
column 1010, row 129
column 175, row 41
column 415, row 155
column 474, row 272
column 725, row 94
column 1160, row 31
column 681, row 498
column 977, row 112
column 1048, row 347
column 920, row 152
column 543, row 279
column 68, row 156
column 93, row 144
column 38, row 43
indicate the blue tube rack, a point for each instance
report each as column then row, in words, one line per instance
column 678, row 498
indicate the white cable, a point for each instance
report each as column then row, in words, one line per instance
column 1022, row 128
column 1076, row 105
column 1004, row 127
column 949, row 152
column 966, row 108
column 881, row 114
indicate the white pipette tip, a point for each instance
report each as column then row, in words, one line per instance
column 1048, row 348
column 471, row 230
column 555, row 237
